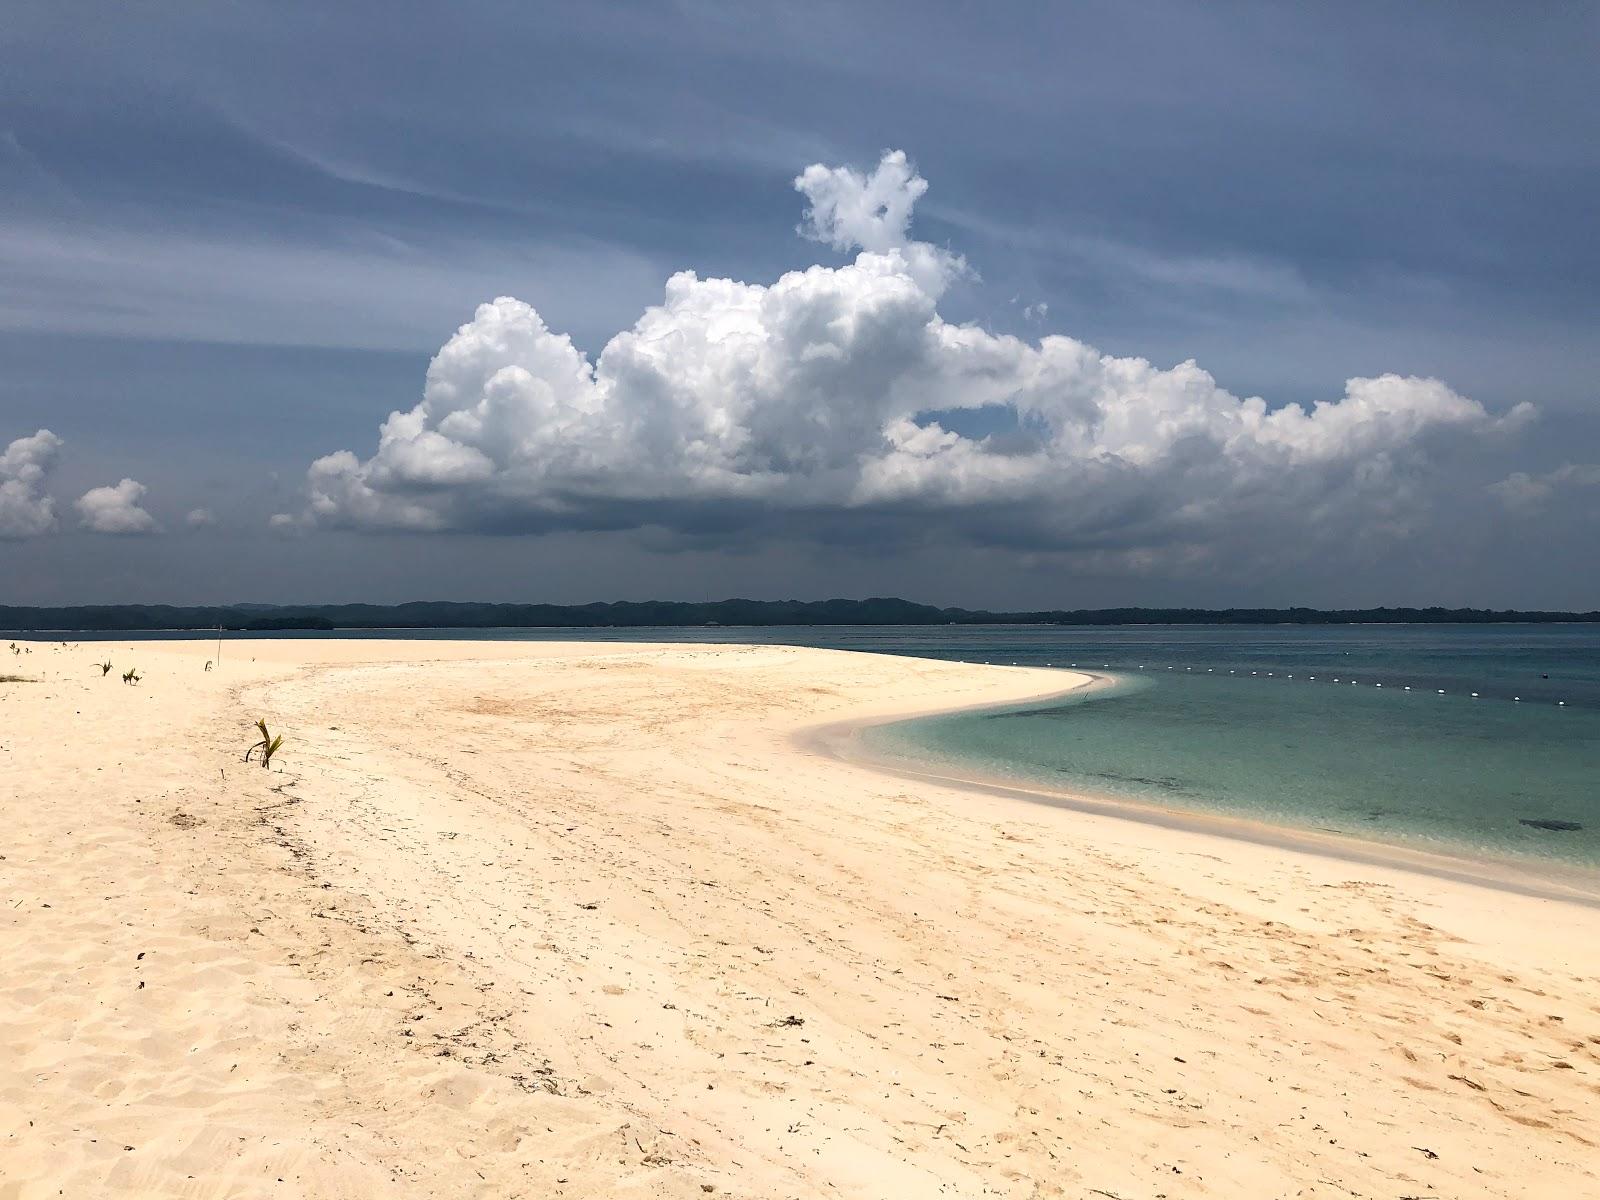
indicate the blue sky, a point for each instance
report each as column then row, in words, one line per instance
column 232, row 237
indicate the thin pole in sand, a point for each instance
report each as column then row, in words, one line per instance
column 219, row 646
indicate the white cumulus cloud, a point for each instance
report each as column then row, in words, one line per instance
column 200, row 518
column 837, row 399
column 25, row 509
column 849, row 209
column 115, row 509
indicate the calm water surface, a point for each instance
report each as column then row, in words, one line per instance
column 1286, row 724
column 1368, row 731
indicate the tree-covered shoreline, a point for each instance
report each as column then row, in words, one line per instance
column 652, row 613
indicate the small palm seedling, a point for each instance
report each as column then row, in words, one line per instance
column 105, row 669
column 268, row 745
column 131, row 675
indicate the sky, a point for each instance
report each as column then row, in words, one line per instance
column 1004, row 306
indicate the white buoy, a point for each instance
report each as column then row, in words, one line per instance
column 1518, row 699
column 1474, row 695
column 1377, row 685
column 1561, row 703
column 1441, row 691
column 1408, row 687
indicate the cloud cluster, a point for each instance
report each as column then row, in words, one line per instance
column 834, row 401
column 25, row 509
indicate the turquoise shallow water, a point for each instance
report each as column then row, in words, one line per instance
column 1316, row 729
column 1228, row 719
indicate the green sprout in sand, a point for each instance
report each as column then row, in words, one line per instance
column 268, row 745
column 131, row 675
column 105, row 669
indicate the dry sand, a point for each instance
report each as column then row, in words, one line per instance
column 589, row 920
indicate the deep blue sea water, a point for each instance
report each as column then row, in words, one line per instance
column 1285, row 724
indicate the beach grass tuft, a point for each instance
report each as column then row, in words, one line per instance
column 268, row 745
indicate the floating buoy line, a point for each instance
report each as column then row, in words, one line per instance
column 1312, row 679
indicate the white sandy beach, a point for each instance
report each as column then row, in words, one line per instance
column 592, row 920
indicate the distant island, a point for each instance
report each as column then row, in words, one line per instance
column 665, row 613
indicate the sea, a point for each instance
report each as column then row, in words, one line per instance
column 1480, row 741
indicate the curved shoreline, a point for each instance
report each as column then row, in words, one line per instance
column 581, row 919
column 841, row 741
